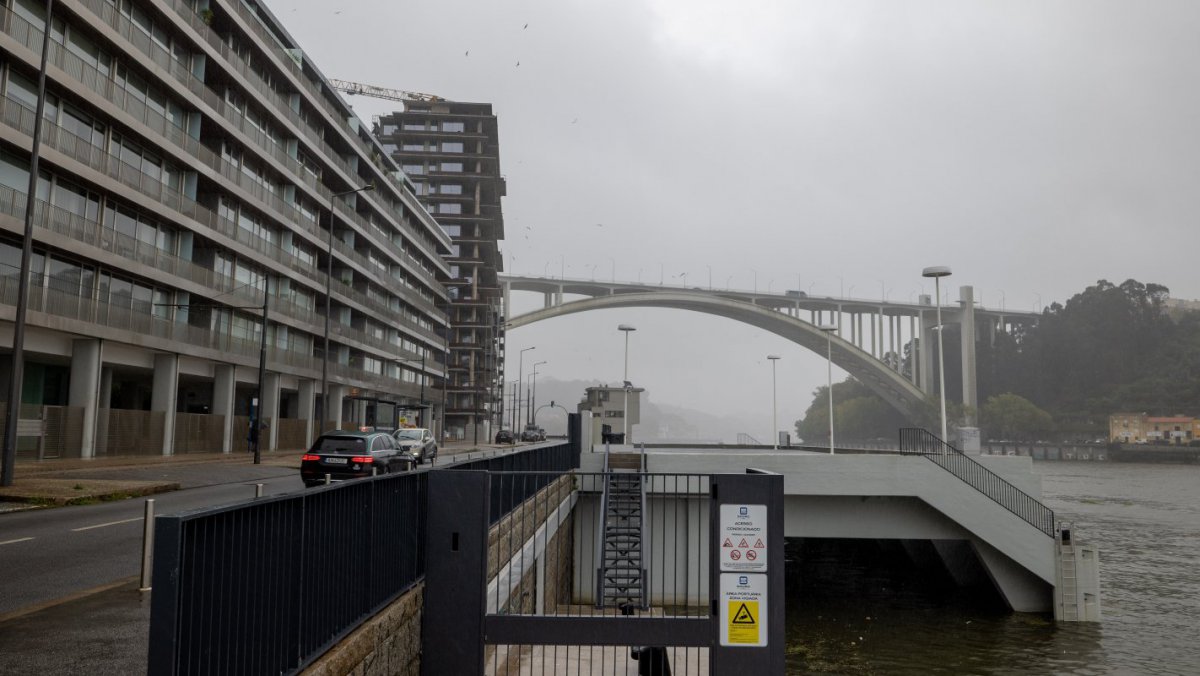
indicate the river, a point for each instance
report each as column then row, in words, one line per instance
column 854, row 615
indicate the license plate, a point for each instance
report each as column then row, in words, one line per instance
column 335, row 461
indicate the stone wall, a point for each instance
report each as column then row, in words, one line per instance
column 388, row 643
column 507, row 536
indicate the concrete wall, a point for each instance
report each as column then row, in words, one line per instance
column 388, row 643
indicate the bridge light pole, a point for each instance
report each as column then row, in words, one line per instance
column 774, row 419
column 626, row 329
column 829, row 329
column 520, row 380
column 937, row 272
column 533, row 396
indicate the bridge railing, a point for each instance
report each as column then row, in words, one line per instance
column 919, row 441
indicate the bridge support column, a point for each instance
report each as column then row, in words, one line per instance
column 547, row 299
column 966, row 295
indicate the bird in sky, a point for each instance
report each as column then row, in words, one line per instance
column 518, row 64
column 575, row 120
column 599, row 225
column 525, row 26
column 467, row 53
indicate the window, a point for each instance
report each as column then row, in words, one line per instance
column 409, row 126
column 450, row 189
column 416, row 169
column 455, row 167
column 413, row 147
column 452, row 127
column 452, row 147
column 449, row 208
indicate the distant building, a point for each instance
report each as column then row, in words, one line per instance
column 607, row 406
column 451, row 151
column 1141, row 428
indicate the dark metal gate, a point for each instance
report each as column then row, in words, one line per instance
column 519, row 591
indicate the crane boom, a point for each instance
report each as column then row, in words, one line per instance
column 381, row 92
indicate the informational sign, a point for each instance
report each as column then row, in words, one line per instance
column 742, row 537
column 743, row 610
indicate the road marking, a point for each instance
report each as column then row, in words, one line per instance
column 11, row 542
column 102, row 525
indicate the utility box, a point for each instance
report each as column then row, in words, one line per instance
column 785, row 439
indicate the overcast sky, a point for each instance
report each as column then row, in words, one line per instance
column 1035, row 147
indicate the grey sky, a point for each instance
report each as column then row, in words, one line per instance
column 1035, row 147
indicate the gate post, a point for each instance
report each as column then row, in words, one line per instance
column 456, row 542
column 747, row 588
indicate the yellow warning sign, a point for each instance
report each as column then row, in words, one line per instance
column 743, row 622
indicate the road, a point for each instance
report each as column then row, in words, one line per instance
column 49, row 554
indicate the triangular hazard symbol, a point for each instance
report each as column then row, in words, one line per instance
column 758, row 544
column 728, row 543
column 742, row 616
column 744, row 544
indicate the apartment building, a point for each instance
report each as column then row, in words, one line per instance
column 193, row 159
column 451, row 151
column 1142, row 428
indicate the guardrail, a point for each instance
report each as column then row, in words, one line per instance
column 266, row 587
column 550, row 460
column 918, row 441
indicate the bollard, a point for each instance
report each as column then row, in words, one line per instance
column 374, row 470
column 327, row 479
column 147, row 545
column 258, row 489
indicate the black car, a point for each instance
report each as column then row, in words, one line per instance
column 506, row 437
column 352, row 455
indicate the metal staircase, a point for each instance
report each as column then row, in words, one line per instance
column 621, row 576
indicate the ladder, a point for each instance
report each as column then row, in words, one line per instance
column 621, row 576
column 1068, row 583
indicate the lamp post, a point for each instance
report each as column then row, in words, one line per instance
column 937, row 272
column 328, row 281
column 774, row 420
column 520, row 379
column 626, row 329
column 829, row 329
column 533, row 398
column 17, row 373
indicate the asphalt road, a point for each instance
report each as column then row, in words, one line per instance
column 49, row 554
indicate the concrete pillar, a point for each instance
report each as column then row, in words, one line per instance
column 307, row 405
column 966, row 296
column 928, row 345
column 270, row 411
column 558, row 296
column 224, row 386
column 547, row 300
column 337, row 394
column 85, row 389
column 164, row 394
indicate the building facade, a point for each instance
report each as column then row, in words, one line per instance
column 608, row 409
column 451, row 151
column 1141, row 428
column 193, row 160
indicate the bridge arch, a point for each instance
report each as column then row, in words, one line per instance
column 888, row 384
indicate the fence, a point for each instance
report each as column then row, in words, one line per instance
column 267, row 586
column 199, row 433
column 47, row 432
column 921, row 442
column 290, row 434
column 127, row 432
column 548, row 460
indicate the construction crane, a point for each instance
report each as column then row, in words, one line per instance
column 381, row 92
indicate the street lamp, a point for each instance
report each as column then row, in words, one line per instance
column 17, row 372
column 626, row 329
column 937, row 272
column 533, row 397
column 774, row 421
column 829, row 329
column 328, row 281
column 520, row 379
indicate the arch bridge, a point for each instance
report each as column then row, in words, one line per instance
column 868, row 341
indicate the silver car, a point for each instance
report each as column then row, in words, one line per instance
column 417, row 442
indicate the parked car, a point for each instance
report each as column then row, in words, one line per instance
column 505, row 437
column 418, row 442
column 352, row 455
column 533, row 433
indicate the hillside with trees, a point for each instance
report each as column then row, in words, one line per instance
column 1108, row 348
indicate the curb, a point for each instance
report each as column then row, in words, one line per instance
column 88, row 498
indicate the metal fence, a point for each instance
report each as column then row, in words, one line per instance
column 199, row 433
column 922, row 442
column 546, row 460
column 265, row 587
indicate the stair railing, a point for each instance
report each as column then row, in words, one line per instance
column 644, row 557
column 601, row 531
column 919, row 441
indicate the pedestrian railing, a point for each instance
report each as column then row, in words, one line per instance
column 549, row 460
column 919, row 441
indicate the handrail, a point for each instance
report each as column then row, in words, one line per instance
column 598, row 552
column 919, row 441
column 645, row 519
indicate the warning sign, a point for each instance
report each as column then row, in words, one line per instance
column 743, row 610
column 743, row 530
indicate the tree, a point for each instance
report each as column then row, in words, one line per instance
column 1010, row 416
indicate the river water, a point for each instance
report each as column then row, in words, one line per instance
column 855, row 612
